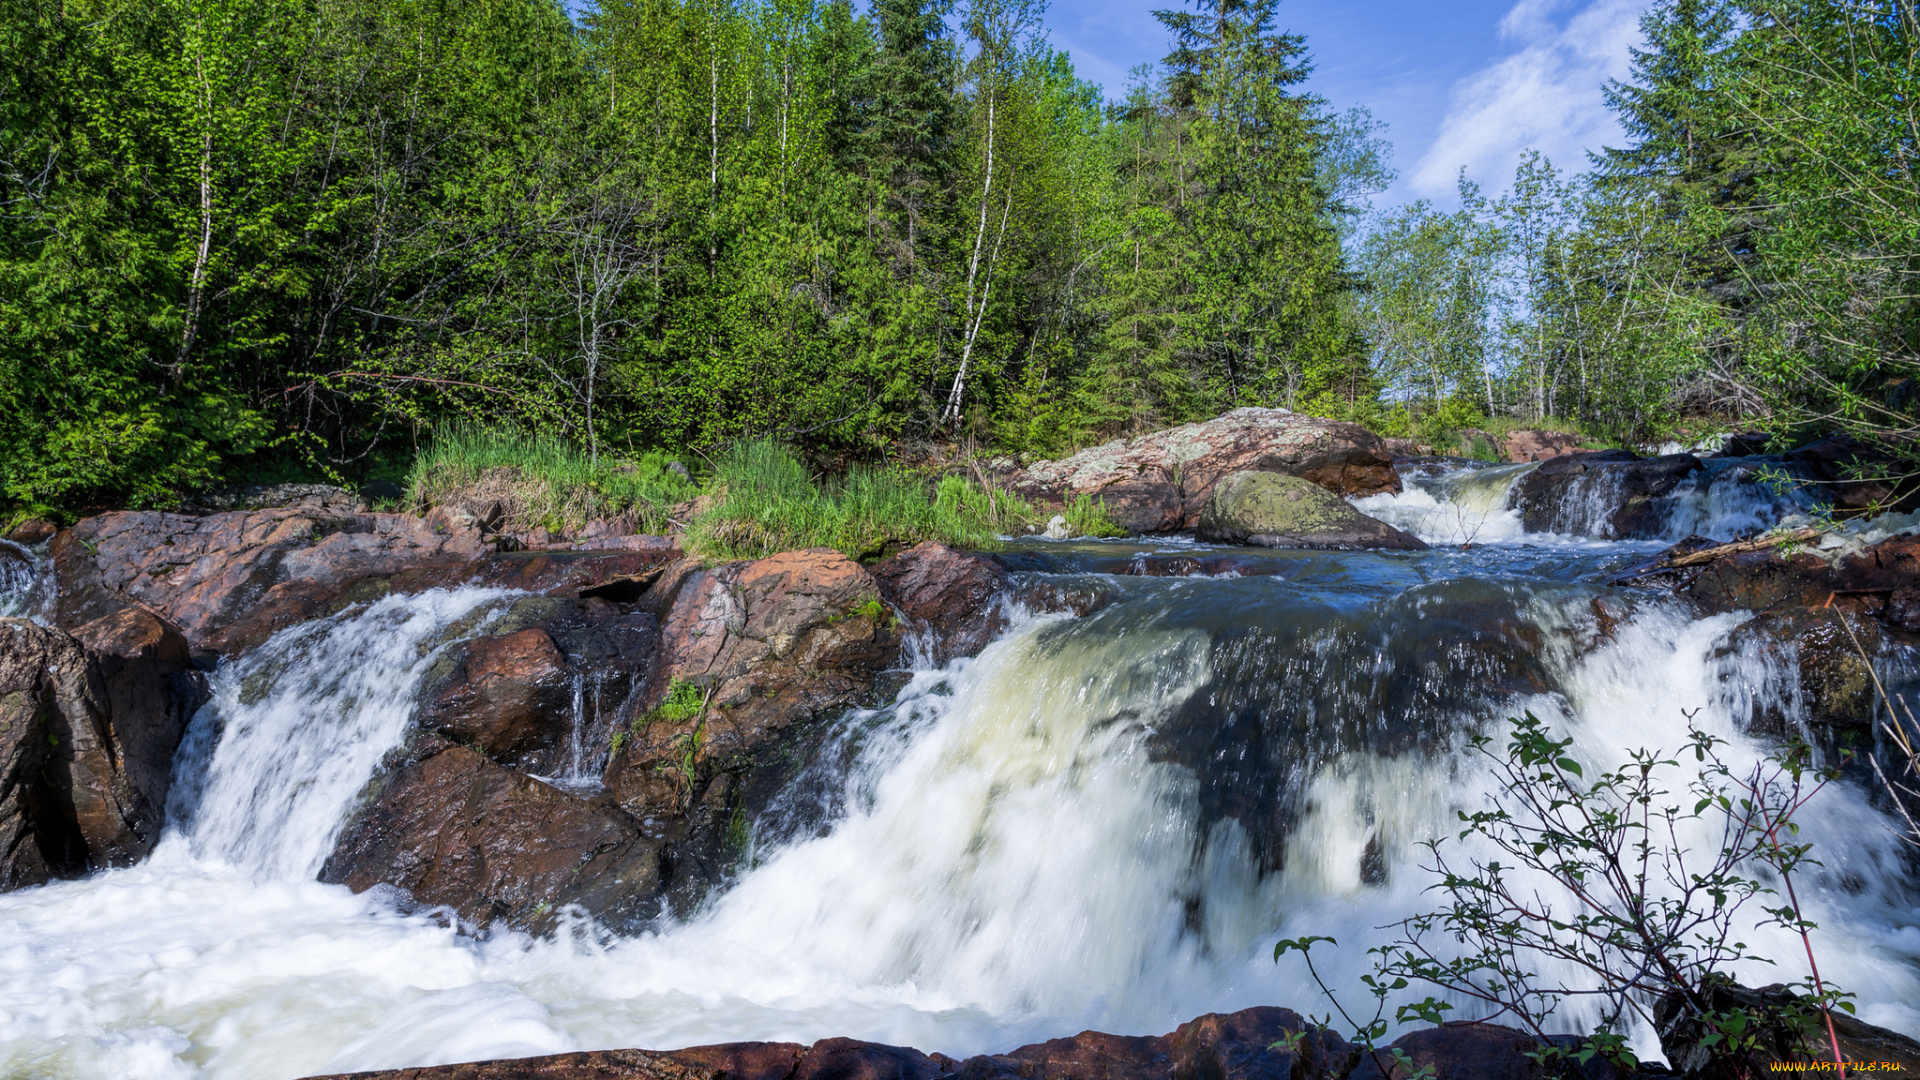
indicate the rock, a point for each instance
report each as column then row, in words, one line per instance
column 1832, row 682
column 1233, row 1046
column 1273, row 510
column 1397, row 449
column 32, row 531
column 208, row 574
column 1856, row 477
column 1467, row 1050
column 497, row 846
column 554, row 666
column 318, row 497
column 1160, row 482
column 951, row 598
column 770, row 647
column 1777, row 1036
column 1057, row 528
column 1532, row 445
column 88, row 726
column 1605, row 493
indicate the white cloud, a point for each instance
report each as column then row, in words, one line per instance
column 1546, row 94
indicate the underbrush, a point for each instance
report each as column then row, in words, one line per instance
column 768, row 502
column 516, row 481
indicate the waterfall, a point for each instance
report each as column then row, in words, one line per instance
column 23, row 581
column 1098, row 822
column 296, row 728
column 1459, row 506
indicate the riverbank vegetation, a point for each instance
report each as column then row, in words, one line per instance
column 247, row 239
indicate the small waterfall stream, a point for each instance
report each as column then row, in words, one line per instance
column 1098, row 822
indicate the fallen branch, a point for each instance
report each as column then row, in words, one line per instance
column 1758, row 543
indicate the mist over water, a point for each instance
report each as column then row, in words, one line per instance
column 1099, row 822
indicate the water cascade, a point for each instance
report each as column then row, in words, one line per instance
column 1098, row 822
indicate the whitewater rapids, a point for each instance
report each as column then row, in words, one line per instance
column 1012, row 857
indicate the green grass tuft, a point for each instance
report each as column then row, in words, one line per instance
column 769, row 503
column 1087, row 516
column 543, row 480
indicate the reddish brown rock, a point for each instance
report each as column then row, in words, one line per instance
column 1532, row 445
column 950, row 597
column 1160, row 482
column 32, row 531
column 495, row 845
column 88, row 727
column 504, row 692
column 1472, row 1051
column 1233, row 1046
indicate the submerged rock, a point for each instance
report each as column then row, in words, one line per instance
column 1161, row 482
column 88, row 727
column 1273, row 510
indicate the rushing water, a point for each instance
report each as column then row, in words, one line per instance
column 1100, row 822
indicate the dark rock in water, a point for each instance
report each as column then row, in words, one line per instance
column 32, row 531
column 495, row 845
column 1607, row 493
column 1231, row 1046
column 1273, row 510
column 513, row 694
column 88, row 727
column 1161, row 482
column 1834, row 681
column 950, row 596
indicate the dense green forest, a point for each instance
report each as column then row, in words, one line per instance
column 253, row 237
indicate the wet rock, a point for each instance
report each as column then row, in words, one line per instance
column 1233, row 1046
column 556, row 672
column 1607, row 493
column 1532, row 445
column 952, row 598
column 1161, row 482
column 32, row 531
column 496, row 845
column 1272, row 510
column 88, row 726
column 768, row 648
column 1832, row 681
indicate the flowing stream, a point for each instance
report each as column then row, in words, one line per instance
column 1099, row 822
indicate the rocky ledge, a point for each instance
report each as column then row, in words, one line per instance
column 1262, row 1043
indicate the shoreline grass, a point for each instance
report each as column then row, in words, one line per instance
column 543, row 481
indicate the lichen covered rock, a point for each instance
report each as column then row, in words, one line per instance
column 1272, row 510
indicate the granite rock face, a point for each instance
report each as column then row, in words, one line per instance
column 1161, row 482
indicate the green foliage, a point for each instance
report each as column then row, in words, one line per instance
column 542, row 479
column 684, row 701
column 1087, row 516
column 768, row 502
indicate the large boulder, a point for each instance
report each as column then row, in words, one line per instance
column 88, row 728
column 495, row 845
column 1532, row 445
column 1245, row 1045
column 1273, row 510
column 1161, row 482
column 1615, row 494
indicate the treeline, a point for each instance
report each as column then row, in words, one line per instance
column 1750, row 256
column 247, row 236
column 251, row 234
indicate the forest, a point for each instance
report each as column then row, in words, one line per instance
column 252, row 239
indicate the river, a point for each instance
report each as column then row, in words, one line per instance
column 1098, row 822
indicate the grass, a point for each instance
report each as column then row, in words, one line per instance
column 768, row 502
column 542, row 481
column 1087, row 516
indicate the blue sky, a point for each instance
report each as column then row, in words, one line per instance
column 1460, row 83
